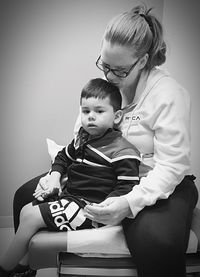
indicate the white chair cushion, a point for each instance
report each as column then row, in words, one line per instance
column 108, row 241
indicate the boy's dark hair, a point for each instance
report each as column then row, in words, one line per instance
column 100, row 88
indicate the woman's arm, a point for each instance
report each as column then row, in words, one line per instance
column 170, row 123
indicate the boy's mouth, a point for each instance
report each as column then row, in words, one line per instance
column 91, row 125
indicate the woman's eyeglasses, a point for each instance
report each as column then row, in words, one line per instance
column 117, row 72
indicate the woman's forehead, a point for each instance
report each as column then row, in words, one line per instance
column 116, row 55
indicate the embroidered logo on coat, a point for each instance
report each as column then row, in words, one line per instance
column 134, row 117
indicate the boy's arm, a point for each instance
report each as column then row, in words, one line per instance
column 59, row 167
column 61, row 161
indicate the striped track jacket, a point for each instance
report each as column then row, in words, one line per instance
column 99, row 167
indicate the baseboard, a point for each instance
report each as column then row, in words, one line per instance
column 6, row 221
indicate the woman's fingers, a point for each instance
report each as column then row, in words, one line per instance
column 99, row 219
column 98, row 214
column 113, row 213
column 97, row 210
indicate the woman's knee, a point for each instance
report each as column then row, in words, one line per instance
column 165, row 240
column 150, row 238
column 19, row 194
column 24, row 194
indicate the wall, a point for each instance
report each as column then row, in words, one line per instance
column 48, row 51
column 181, row 20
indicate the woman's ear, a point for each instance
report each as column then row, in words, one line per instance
column 118, row 116
column 143, row 61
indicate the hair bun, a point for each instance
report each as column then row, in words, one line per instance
column 141, row 10
column 140, row 29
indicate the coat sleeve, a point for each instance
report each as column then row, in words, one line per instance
column 171, row 126
column 63, row 159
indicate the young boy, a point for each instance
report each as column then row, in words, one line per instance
column 99, row 164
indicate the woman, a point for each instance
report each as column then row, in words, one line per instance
column 156, row 214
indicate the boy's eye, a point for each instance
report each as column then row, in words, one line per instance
column 85, row 111
column 100, row 111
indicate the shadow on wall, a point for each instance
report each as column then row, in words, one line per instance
column 181, row 20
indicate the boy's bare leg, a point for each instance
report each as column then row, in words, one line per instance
column 30, row 222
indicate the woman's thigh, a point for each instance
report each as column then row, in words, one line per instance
column 23, row 196
column 160, row 233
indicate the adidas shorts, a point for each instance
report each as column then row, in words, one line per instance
column 64, row 215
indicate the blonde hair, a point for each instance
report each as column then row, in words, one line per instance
column 140, row 30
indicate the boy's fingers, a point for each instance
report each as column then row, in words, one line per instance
column 40, row 198
column 38, row 193
column 43, row 184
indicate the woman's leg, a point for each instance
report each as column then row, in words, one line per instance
column 23, row 196
column 158, row 236
column 31, row 221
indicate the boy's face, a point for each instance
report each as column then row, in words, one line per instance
column 97, row 115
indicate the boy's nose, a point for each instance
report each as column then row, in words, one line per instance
column 91, row 116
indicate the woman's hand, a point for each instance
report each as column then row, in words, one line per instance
column 47, row 186
column 110, row 212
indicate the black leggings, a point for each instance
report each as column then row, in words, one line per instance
column 157, row 238
column 23, row 196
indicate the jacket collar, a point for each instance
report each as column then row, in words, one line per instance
column 84, row 137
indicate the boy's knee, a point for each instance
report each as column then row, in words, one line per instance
column 27, row 213
column 31, row 219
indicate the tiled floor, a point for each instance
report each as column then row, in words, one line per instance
column 6, row 235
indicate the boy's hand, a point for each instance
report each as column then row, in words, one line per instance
column 41, row 186
column 48, row 186
column 48, row 193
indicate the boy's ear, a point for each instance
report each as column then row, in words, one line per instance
column 118, row 116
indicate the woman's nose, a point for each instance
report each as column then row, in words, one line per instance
column 110, row 76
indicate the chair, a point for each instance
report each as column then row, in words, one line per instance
column 89, row 252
